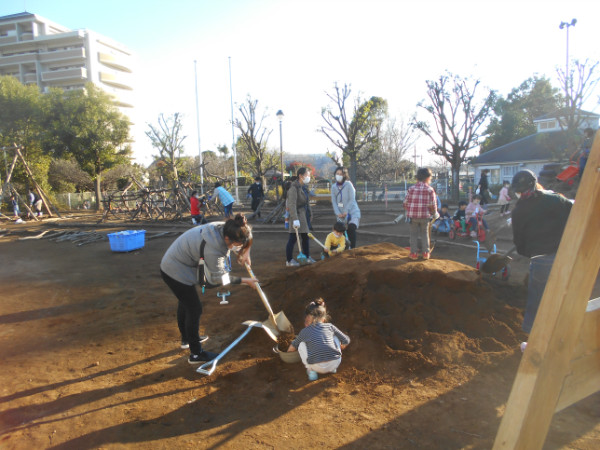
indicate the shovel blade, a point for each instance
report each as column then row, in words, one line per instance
column 495, row 263
column 283, row 324
column 302, row 259
column 266, row 325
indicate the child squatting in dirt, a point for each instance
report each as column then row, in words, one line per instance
column 320, row 343
column 335, row 242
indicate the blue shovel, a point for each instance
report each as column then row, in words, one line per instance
column 301, row 258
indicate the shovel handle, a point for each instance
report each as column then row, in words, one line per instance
column 209, row 367
column 310, row 235
column 262, row 295
column 298, row 240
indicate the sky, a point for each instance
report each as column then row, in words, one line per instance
column 287, row 54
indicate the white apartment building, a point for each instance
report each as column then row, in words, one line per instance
column 38, row 51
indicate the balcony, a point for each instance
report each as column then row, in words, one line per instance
column 75, row 54
column 114, row 61
column 18, row 59
column 8, row 40
column 120, row 80
column 30, row 78
column 123, row 100
column 79, row 73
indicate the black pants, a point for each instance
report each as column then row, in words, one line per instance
column 255, row 203
column 289, row 248
column 504, row 208
column 352, row 235
column 189, row 310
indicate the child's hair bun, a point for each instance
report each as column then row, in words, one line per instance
column 240, row 220
column 317, row 309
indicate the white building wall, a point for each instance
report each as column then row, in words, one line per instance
column 38, row 51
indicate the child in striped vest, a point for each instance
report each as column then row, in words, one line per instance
column 320, row 343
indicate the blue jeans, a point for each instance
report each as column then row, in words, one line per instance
column 228, row 210
column 539, row 271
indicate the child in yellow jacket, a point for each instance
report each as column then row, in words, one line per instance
column 336, row 240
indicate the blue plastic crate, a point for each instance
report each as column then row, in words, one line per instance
column 126, row 241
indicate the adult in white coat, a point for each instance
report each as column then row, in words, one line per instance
column 343, row 200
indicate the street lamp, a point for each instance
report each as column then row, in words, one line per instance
column 567, row 25
column 280, row 117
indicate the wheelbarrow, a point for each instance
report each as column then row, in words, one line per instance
column 494, row 263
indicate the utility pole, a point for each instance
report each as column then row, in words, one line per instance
column 567, row 75
column 233, row 146
column 198, row 130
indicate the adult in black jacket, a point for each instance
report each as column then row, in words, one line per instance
column 538, row 221
column 257, row 193
column 484, row 187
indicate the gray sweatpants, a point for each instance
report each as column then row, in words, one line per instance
column 419, row 228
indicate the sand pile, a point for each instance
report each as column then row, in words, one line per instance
column 403, row 314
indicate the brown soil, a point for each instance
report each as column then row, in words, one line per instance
column 284, row 340
column 90, row 354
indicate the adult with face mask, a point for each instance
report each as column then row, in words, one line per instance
column 538, row 221
column 257, row 193
column 300, row 215
column 343, row 199
column 201, row 256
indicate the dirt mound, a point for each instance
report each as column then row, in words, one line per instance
column 402, row 314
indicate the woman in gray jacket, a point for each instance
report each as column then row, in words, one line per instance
column 299, row 209
column 343, row 199
column 182, row 267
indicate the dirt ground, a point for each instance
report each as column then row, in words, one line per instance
column 91, row 359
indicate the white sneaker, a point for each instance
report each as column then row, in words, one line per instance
column 473, row 234
column 310, row 260
column 292, row 263
column 523, row 346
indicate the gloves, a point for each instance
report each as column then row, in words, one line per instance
column 435, row 216
column 296, row 224
column 509, row 221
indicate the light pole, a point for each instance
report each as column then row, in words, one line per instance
column 198, row 129
column 567, row 25
column 280, row 117
column 235, row 167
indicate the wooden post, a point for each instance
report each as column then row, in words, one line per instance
column 560, row 318
column 14, row 191
column 37, row 186
column 12, row 167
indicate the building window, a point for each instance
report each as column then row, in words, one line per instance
column 548, row 125
column 508, row 172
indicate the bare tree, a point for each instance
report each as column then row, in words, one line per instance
column 397, row 138
column 458, row 116
column 254, row 157
column 356, row 135
column 167, row 138
column 578, row 85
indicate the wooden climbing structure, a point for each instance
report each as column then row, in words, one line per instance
column 561, row 364
column 18, row 157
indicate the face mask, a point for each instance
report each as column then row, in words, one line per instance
column 237, row 248
column 339, row 178
column 337, row 235
column 307, row 179
column 518, row 194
